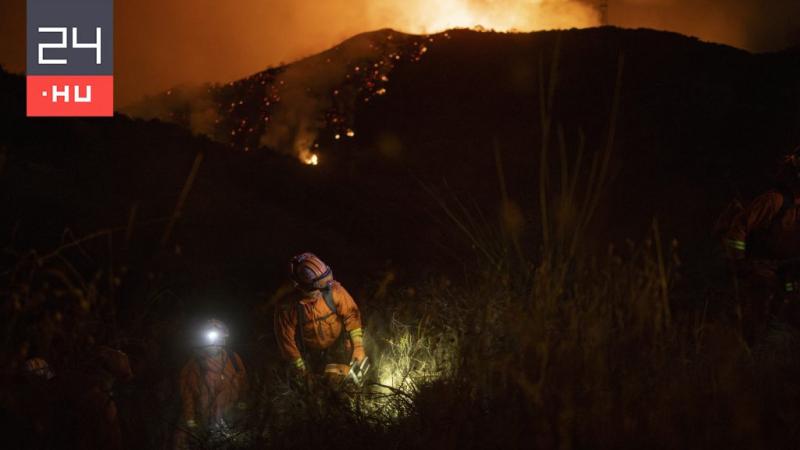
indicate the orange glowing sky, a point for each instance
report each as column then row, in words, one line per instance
column 161, row 43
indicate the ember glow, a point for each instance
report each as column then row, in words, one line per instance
column 294, row 109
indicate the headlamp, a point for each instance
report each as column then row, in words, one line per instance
column 212, row 336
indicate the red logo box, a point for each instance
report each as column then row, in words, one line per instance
column 70, row 95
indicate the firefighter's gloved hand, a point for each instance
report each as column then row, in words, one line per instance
column 358, row 353
column 301, row 376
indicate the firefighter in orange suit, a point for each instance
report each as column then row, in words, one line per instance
column 318, row 325
column 85, row 409
column 212, row 386
column 763, row 248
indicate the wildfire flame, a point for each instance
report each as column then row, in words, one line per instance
column 311, row 159
column 423, row 16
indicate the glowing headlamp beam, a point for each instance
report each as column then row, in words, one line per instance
column 212, row 336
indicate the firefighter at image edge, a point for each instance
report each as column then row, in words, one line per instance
column 318, row 325
column 763, row 248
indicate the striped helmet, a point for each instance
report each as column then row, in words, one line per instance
column 38, row 367
column 309, row 272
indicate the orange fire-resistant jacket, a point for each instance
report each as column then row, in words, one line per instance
column 777, row 237
column 210, row 387
column 322, row 328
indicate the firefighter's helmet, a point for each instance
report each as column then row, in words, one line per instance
column 115, row 361
column 215, row 334
column 38, row 367
column 309, row 272
column 789, row 171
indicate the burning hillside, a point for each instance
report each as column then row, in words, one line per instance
column 285, row 108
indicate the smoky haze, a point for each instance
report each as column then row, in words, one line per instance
column 162, row 43
column 756, row 25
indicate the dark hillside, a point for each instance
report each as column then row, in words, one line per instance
column 698, row 122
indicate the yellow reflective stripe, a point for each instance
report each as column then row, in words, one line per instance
column 299, row 363
column 357, row 336
column 737, row 245
column 358, row 332
column 789, row 287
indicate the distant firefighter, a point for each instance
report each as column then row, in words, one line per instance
column 318, row 326
column 763, row 248
column 213, row 384
column 86, row 415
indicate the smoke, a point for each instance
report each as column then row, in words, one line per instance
column 755, row 25
column 189, row 106
column 306, row 93
column 295, row 125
